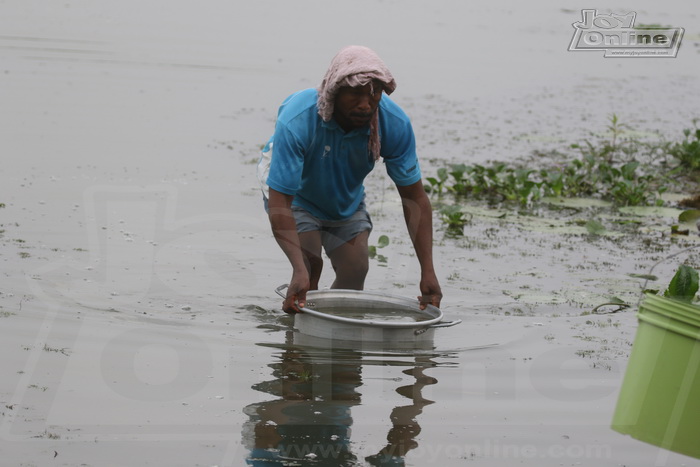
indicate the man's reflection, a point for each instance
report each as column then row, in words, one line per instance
column 405, row 428
column 309, row 423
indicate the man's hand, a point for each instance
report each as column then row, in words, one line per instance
column 430, row 292
column 296, row 293
column 285, row 231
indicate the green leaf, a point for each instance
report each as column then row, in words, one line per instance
column 372, row 251
column 628, row 170
column 676, row 230
column 594, row 227
column 689, row 215
column 649, row 277
column 684, row 284
column 382, row 241
column 617, row 300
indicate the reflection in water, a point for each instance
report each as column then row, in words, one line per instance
column 315, row 387
column 405, row 428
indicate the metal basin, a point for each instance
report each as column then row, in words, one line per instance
column 354, row 315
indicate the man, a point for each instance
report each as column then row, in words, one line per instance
column 325, row 143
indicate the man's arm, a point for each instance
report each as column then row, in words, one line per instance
column 284, row 230
column 419, row 219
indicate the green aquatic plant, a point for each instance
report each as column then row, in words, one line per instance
column 616, row 130
column 687, row 152
column 619, row 168
column 498, row 181
column 609, row 150
column 436, row 184
column 594, row 227
column 623, row 184
column 454, row 219
column 627, row 188
column 684, row 284
column 382, row 241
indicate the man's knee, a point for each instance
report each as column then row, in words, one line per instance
column 354, row 267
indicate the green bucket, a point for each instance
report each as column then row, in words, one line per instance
column 659, row 402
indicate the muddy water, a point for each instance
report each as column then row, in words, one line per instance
column 139, row 320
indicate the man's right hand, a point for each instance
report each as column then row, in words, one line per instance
column 296, row 293
column 285, row 231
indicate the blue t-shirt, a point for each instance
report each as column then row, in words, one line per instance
column 324, row 167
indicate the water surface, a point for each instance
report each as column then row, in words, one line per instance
column 139, row 320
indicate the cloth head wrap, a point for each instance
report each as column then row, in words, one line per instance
column 354, row 66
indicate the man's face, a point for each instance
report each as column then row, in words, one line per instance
column 354, row 107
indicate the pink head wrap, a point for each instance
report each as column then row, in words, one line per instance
column 354, row 66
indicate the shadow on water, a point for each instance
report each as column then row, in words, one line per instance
column 316, row 383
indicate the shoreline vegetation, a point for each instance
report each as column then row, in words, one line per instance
column 620, row 170
column 624, row 170
column 614, row 185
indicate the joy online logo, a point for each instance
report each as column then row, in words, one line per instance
column 617, row 36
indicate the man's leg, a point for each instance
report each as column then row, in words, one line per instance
column 351, row 263
column 311, row 247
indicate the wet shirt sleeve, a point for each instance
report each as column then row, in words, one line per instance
column 399, row 151
column 287, row 162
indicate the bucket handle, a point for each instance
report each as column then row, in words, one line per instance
column 279, row 290
column 441, row 324
column 446, row 324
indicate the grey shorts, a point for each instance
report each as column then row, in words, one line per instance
column 333, row 233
